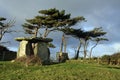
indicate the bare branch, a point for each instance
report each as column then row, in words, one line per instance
column 5, row 27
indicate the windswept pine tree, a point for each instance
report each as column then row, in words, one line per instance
column 85, row 36
column 51, row 19
column 77, row 33
column 97, row 36
column 89, row 35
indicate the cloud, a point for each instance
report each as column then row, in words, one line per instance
column 116, row 46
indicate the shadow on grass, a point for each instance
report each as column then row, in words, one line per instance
column 114, row 67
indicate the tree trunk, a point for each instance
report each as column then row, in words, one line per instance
column 1, row 35
column 92, row 50
column 36, row 32
column 78, row 50
column 63, row 37
column 65, row 44
column 35, row 35
column 85, row 49
column 46, row 33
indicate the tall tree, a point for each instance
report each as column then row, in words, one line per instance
column 95, row 33
column 51, row 19
column 77, row 33
column 97, row 40
column 84, row 35
column 5, row 27
column 86, row 39
column 78, row 49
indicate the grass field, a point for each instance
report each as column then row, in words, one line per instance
column 71, row 70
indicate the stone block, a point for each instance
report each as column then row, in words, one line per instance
column 62, row 57
column 42, row 51
column 25, row 49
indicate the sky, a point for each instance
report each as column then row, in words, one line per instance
column 98, row 13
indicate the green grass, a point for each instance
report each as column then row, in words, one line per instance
column 71, row 70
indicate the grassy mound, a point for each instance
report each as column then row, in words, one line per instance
column 71, row 70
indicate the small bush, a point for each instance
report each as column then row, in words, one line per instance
column 33, row 60
column 21, row 59
column 30, row 60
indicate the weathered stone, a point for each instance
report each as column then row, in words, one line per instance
column 34, row 39
column 62, row 57
column 42, row 51
column 25, row 49
column 38, row 49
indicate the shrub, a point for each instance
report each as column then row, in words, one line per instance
column 115, row 56
column 29, row 60
column 21, row 59
column 105, row 57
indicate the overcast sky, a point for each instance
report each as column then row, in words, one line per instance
column 98, row 13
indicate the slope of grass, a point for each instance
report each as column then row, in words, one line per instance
column 71, row 70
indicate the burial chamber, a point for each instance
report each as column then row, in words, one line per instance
column 36, row 46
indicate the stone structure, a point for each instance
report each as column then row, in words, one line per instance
column 42, row 51
column 25, row 49
column 62, row 56
column 34, row 46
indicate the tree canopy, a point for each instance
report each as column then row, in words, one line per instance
column 51, row 19
column 96, row 33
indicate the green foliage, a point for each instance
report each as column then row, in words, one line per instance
column 51, row 45
column 79, row 33
column 94, row 35
column 105, row 57
column 115, row 56
column 51, row 18
column 96, row 32
column 113, row 59
column 100, row 39
column 1, row 21
column 72, row 70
